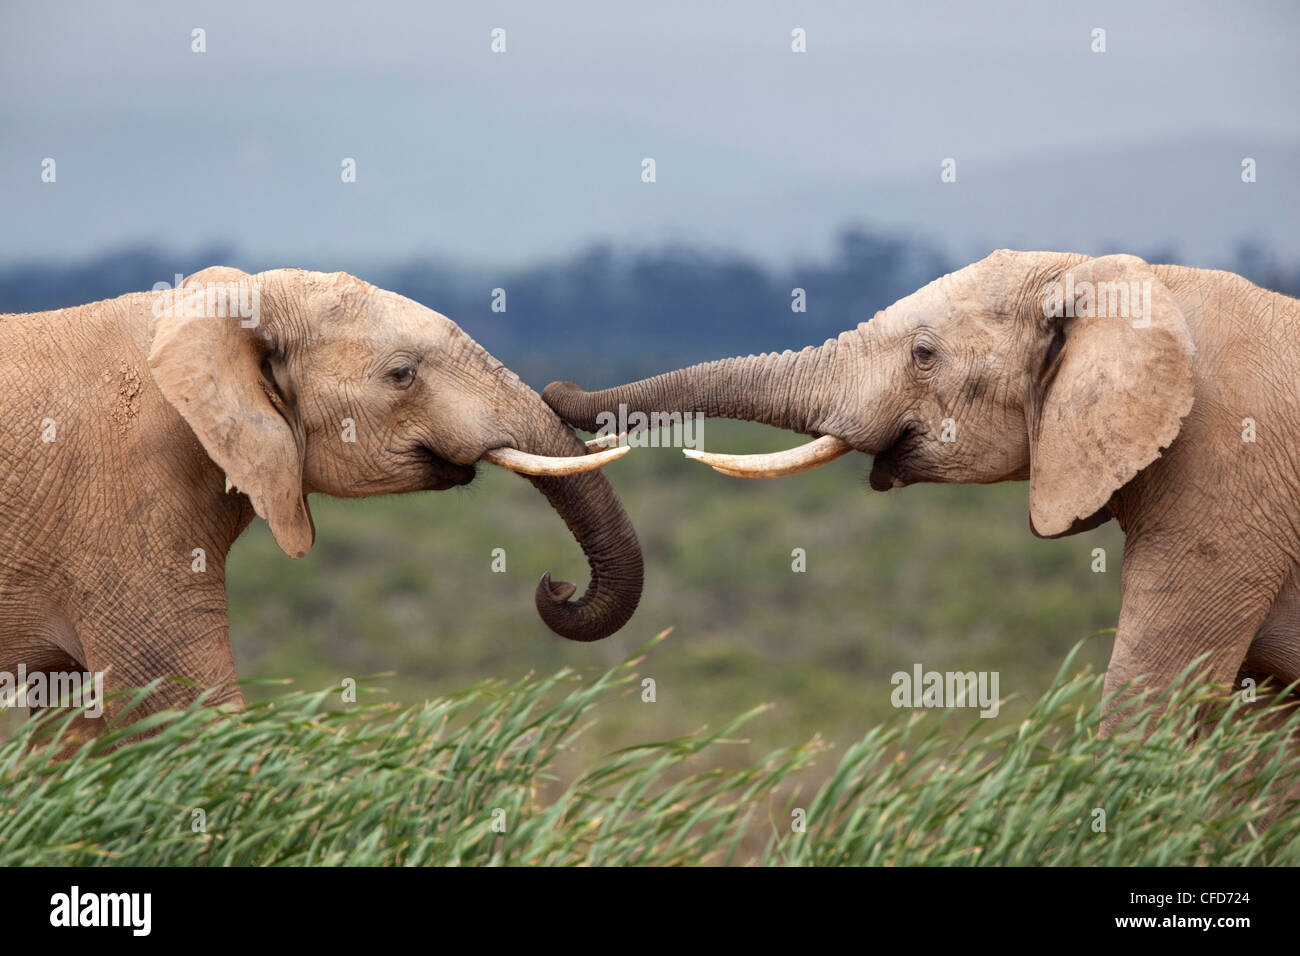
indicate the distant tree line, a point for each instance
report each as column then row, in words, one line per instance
column 623, row 313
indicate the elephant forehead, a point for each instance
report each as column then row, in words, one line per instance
column 973, row 293
column 381, row 318
column 389, row 314
column 338, row 309
column 991, row 287
column 930, row 307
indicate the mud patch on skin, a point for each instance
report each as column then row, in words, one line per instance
column 129, row 387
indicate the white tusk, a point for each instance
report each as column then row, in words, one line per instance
column 607, row 441
column 778, row 464
column 526, row 464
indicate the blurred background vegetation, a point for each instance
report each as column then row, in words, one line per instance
column 948, row 577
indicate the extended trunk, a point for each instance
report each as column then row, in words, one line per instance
column 798, row 391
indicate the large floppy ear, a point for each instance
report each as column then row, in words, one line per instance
column 1116, row 384
column 207, row 357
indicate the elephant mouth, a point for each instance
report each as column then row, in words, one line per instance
column 889, row 469
column 441, row 474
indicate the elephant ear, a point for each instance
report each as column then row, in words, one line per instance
column 207, row 359
column 1116, row 385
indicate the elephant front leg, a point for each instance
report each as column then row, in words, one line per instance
column 182, row 637
column 50, row 683
column 1274, row 653
column 1184, row 601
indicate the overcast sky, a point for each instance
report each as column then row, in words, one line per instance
column 510, row 157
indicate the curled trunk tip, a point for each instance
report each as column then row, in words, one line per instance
column 601, row 527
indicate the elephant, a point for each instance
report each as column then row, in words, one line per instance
column 146, row 432
column 1162, row 397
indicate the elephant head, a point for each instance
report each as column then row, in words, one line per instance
column 1067, row 371
column 300, row 382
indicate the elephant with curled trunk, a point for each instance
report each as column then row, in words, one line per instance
column 1163, row 397
column 144, row 432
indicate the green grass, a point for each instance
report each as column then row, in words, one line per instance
column 304, row 778
column 949, row 577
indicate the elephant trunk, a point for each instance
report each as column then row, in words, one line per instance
column 797, row 391
column 596, row 518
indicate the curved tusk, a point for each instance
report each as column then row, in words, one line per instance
column 524, row 463
column 607, row 441
column 778, row 464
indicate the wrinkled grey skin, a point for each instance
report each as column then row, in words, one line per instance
column 1107, row 417
column 153, row 416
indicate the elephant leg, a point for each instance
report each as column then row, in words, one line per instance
column 82, row 727
column 1273, row 663
column 172, row 633
column 42, row 659
column 1273, row 658
column 1274, row 653
column 1182, row 600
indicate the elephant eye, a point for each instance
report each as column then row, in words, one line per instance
column 923, row 354
column 402, row 376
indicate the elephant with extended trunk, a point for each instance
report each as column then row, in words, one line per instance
column 1164, row 397
column 146, row 431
